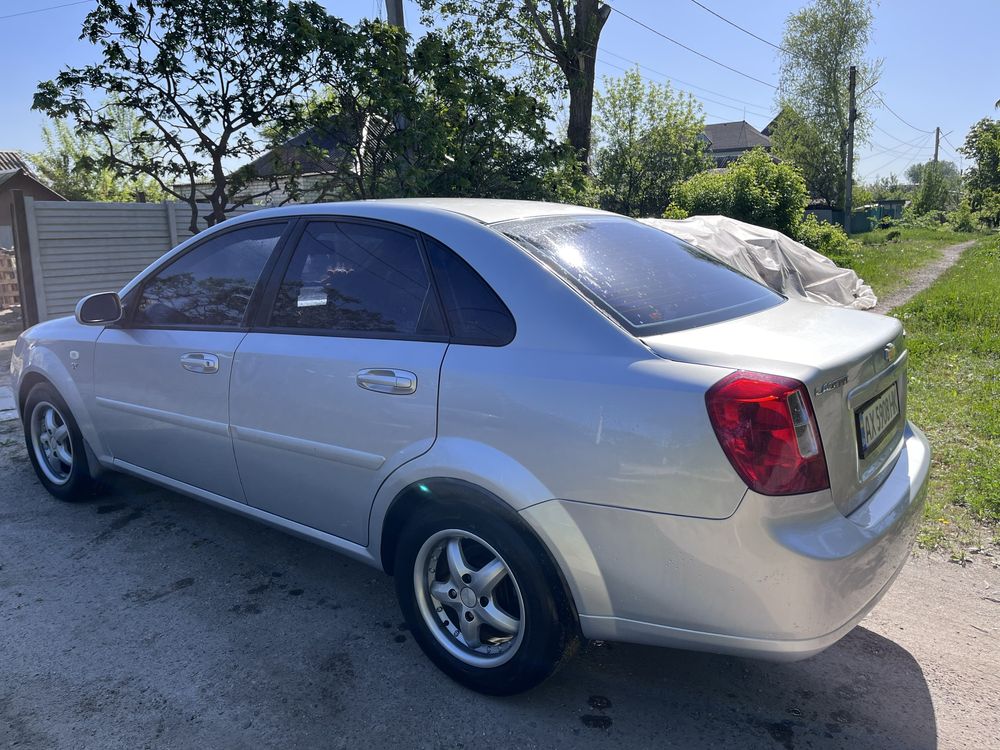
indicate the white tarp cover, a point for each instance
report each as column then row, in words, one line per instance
column 774, row 259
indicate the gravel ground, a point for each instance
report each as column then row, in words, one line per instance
column 923, row 277
column 145, row 619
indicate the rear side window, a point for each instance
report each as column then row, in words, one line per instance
column 648, row 280
column 357, row 278
column 210, row 285
column 476, row 315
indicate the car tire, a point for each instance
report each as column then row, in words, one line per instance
column 514, row 626
column 55, row 445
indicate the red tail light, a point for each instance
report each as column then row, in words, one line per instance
column 767, row 429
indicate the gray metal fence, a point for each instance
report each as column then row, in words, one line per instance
column 69, row 249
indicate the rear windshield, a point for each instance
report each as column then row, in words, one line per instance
column 648, row 280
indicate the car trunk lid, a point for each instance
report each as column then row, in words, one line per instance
column 849, row 361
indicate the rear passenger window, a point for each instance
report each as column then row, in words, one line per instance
column 357, row 278
column 475, row 313
column 210, row 285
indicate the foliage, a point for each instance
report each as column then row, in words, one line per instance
column 862, row 195
column 888, row 188
column 963, row 218
column 431, row 120
column 829, row 239
column 203, row 75
column 754, row 189
column 938, row 186
column 953, row 337
column 648, row 140
column 982, row 180
column 673, row 211
column 820, row 44
column 549, row 43
column 69, row 163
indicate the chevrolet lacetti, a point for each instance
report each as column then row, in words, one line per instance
column 546, row 422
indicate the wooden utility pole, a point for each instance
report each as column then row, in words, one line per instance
column 394, row 13
column 849, row 182
column 937, row 142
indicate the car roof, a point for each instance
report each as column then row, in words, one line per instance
column 483, row 210
column 494, row 210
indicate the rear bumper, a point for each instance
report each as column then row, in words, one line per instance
column 782, row 578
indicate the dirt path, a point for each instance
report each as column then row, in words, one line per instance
column 923, row 278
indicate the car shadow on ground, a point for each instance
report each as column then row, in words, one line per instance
column 229, row 633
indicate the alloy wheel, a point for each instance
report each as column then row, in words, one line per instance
column 51, row 442
column 469, row 598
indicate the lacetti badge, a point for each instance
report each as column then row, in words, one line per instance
column 831, row 386
column 889, row 352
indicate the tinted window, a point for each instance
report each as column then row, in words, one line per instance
column 475, row 313
column 357, row 277
column 210, row 285
column 648, row 279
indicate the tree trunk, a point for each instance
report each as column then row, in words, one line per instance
column 581, row 105
column 572, row 43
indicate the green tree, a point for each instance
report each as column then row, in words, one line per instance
column 820, row 44
column 939, row 186
column 982, row 179
column 889, row 188
column 648, row 140
column 539, row 36
column 754, row 189
column 428, row 120
column 70, row 164
column 205, row 75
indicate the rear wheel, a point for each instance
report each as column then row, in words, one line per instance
column 55, row 445
column 480, row 602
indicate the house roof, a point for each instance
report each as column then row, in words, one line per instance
column 6, row 174
column 735, row 136
column 11, row 160
column 47, row 193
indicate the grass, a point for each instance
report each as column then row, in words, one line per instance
column 885, row 264
column 953, row 336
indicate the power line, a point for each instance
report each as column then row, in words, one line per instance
column 695, row 86
column 912, row 155
column 737, row 26
column 619, row 67
column 894, row 114
column 42, row 10
column 690, row 49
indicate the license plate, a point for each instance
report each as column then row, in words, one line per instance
column 876, row 417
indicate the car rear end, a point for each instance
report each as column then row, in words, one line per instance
column 810, row 410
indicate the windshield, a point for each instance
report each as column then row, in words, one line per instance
column 648, row 280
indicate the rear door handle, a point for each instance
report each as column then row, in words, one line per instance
column 383, row 380
column 200, row 362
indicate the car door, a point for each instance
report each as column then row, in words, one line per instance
column 338, row 383
column 162, row 376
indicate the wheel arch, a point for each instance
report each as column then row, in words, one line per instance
column 449, row 492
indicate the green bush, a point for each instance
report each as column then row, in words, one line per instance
column 963, row 218
column 753, row 189
column 829, row 239
column 673, row 211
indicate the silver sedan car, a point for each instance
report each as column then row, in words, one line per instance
column 548, row 423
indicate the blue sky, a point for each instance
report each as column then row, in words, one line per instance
column 940, row 64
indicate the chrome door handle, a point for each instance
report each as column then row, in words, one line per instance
column 381, row 380
column 200, row 362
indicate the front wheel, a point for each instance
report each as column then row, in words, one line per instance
column 55, row 445
column 481, row 603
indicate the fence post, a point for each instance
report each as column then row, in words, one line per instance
column 23, row 260
column 171, row 209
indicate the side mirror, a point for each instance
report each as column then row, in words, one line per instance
column 99, row 309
